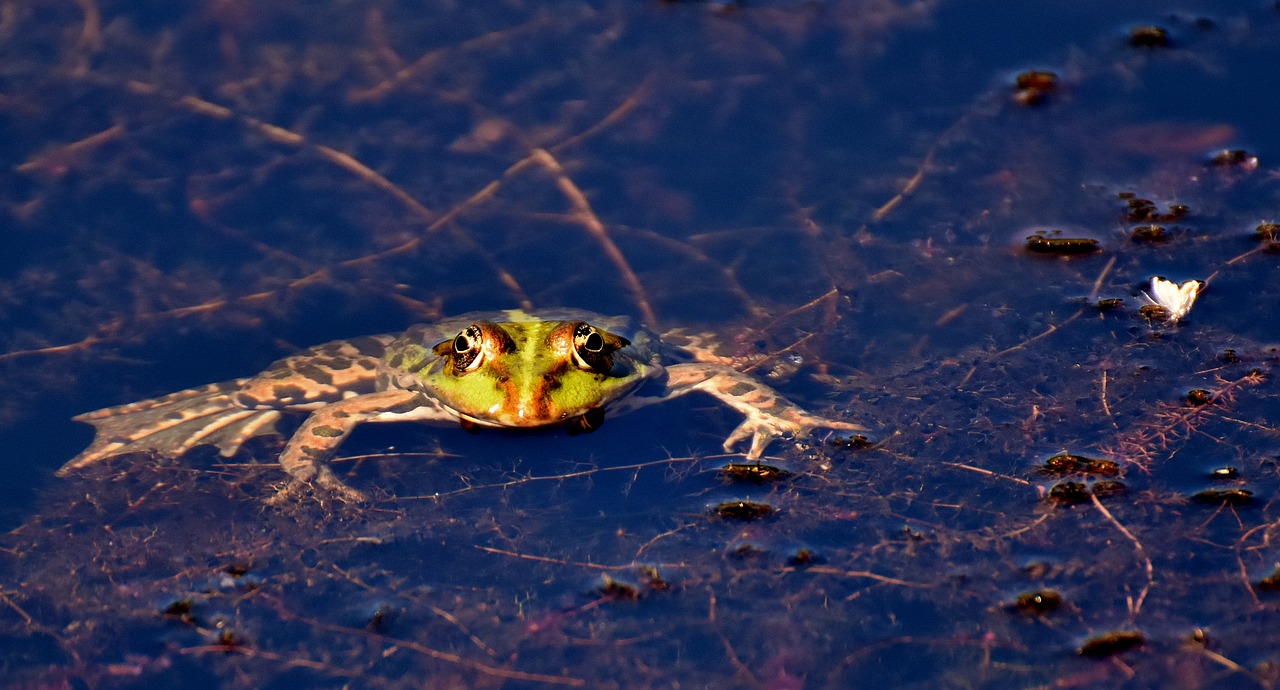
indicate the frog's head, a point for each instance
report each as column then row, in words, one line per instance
column 531, row 373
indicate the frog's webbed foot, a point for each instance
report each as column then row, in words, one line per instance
column 324, row 485
column 173, row 424
column 763, row 427
column 768, row 414
column 306, row 457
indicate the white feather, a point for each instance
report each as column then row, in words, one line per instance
column 1176, row 299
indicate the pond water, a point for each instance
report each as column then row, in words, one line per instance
column 940, row 220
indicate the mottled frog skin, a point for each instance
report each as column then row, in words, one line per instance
column 509, row 369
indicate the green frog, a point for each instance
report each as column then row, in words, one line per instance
column 510, row 369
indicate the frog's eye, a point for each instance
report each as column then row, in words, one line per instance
column 471, row 348
column 465, row 353
column 593, row 348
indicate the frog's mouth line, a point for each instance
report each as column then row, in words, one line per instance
column 588, row 421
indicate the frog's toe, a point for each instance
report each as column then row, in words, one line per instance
column 760, row 431
column 758, row 443
column 321, row 489
column 741, row 433
column 331, row 485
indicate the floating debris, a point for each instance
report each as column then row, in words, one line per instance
column 1269, row 235
column 1227, row 472
column 1109, row 303
column 1054, row 242
column 617, row 590
column 1110, row 643
column 1270, row 583
column 804, row 556
column 1037, row 602
column 1148, row 37
column 855, row 442
column 653, row 579
column 1149, row 233
column 1235, row 158
column 1069, row 493
column 229, row 639
column 744, row 510
column 183, row 609
column 1141, row 210
column 1231, row 497
column 754, row 472
column 1175, row 300
column 1069, row 463
column 1199, row 397
column 1108, row 487
column 1032, row 87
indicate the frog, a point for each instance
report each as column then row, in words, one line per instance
column 512, row 369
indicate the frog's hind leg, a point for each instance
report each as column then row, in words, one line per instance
column 173, row 424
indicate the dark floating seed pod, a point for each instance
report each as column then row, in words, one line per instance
column 1154, row 312
column 1068, row 493
column 229, row 639
column 744, row 510
column 1269, row 235
column 1199, row 397
column 183, row 609
column 1148, row 37
column 653, row 579
column 1108, row 487
column 1229, row 356
column 803, row 557
column 1270, row 583
column 1140, row 210
column 1224, row 473
column 747, row 550
column 617, row 590
column 1235, row 158
column 380, row 619
column 1069, row 463
column 754, row 472
column 1109, row 303
column 1149, row 233
column 1032, row 87
column 855, row 442
column 1109, row 643
column 1231, row 497
column 1037, row 79
column 1037, row 602
column 1053, row 242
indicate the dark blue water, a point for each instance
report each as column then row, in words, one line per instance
column 842, row 194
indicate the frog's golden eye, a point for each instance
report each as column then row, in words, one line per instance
column 593, row 348
column 466, row 350
column 473, row 346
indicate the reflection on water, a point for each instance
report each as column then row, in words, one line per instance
column 925, row 218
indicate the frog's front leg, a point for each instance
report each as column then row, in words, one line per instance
column 306, row 457
column 768, row 414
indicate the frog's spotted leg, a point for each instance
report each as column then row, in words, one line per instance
column 768, row 414
column 228, row 414
column 173, row 424
column 306, row 457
